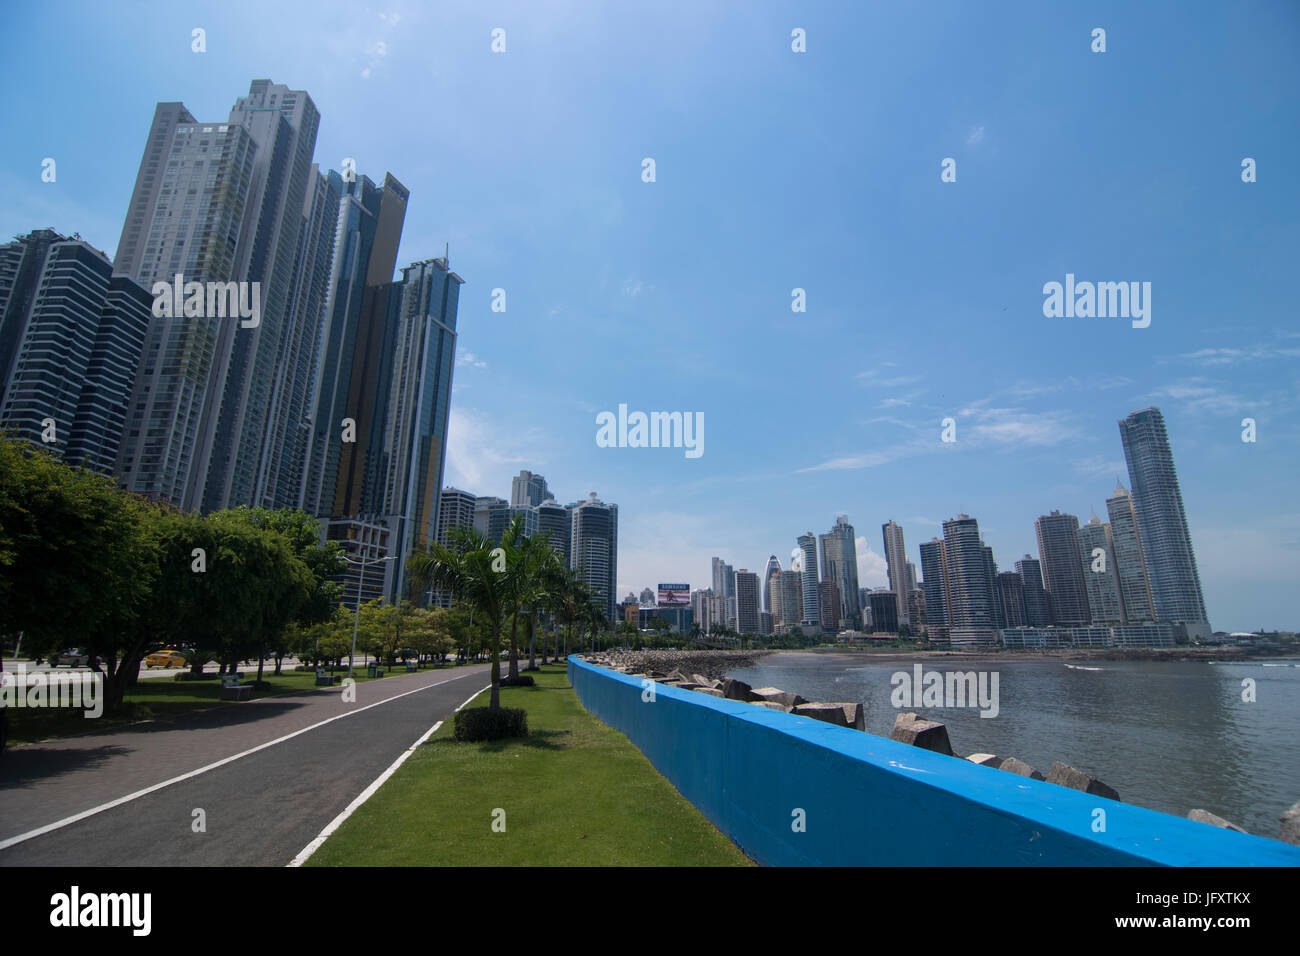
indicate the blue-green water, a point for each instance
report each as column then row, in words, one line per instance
column 1168, row 736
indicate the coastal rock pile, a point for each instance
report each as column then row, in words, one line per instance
column 660, row 663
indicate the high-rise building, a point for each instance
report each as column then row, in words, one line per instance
column 1097, row 560
column 896, row 561
column 1058, row 547
column 791, row 598
column 553, row 521
column 934, row 574
column 368, row 229
column 1038, row 612
column 811, row 598
column 648, row 597
column 76, row 334
column 772, row 570
column 528, row 489
column 1166, row 542
column 747, row 608
column 724, row 579
column 594, row 548
column 971, row 611
column 1130, row 564
column 774, row 599
column 995, row 592
column 455, row 510
column 884, row 611
column 527, row 515
column 218, row 404
column 491, row 517
column 840, row 564
column 828, row 593
column 1011, row 584
column 916, row 608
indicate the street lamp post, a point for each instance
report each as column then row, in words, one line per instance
column 356, row 619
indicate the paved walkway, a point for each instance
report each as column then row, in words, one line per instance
column 261, row 808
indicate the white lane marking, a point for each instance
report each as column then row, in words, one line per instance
column 66, row 821
column 369, row 792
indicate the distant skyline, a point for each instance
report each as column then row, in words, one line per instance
column 778, row 171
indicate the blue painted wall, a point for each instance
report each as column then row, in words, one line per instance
column 870, row 801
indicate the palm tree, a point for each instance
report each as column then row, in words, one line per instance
column 470, row 569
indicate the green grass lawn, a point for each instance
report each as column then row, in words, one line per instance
column 574, row 792
column 156, row 698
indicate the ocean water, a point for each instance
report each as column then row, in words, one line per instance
column 1169, row 736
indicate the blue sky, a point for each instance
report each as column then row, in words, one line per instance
column 778, row 170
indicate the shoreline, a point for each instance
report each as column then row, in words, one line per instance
column 1219, row 655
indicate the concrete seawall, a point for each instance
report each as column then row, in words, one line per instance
column 791, row 790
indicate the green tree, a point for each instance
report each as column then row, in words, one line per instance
column 474, row 571
column 76, row 563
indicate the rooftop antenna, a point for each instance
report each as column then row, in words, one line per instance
column 446, row 254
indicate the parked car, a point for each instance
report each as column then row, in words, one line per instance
column 73, row 657
column 165, row 659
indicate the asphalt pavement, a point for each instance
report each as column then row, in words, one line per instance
column 260, row 806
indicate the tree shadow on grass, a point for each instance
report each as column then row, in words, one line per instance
column 537, row 740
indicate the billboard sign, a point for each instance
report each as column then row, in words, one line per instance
column 674, row 595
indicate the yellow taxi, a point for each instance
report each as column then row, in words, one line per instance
column 165, row 659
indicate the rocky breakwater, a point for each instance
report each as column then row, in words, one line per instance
column 660, row 663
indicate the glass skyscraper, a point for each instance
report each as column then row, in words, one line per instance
column 1166, row 542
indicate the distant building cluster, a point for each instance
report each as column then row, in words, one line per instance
column 1128, row 581
column 584, row 533
column 335, row 399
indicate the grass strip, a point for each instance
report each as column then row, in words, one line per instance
column 574, row 793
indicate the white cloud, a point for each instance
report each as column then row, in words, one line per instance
column 1015, row 426
column 390, row 18
column 634, row 287
column 476, row 460
column 975, row 136
column 470, row 359
column 873, row 569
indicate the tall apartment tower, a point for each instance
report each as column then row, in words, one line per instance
column 528, row 489
column 772, row 571
column 74, row 336
column 594, row 548
column 1011, row 586
column 791, row 598
column 1166, row 542
column 935, row 585
column 1058, row 547
column 455, row 510
column 1097, row 561
column 896, row 561
column 553, row 520
column 747, row 608
column 368, row 228
column 809, row 580
column 971, row 613
column 213, row 403
column 840, row 564
column 1130, row 564
column 1038, row 611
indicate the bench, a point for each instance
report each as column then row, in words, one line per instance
column 232, row 689
column 410, row 668
column 323, row 679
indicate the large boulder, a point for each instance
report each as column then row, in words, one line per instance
column 1064, row 775
column 1012, row 765
column 1205, row 816
column 770, row 705
column 854, row 716
column 926, row 734
column 777, row 696
column 830, row 713
column 679, row 677
column 985, row 760
column 711, row 691
column 737, row 690
column 703, row 681
column 1291, row 825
